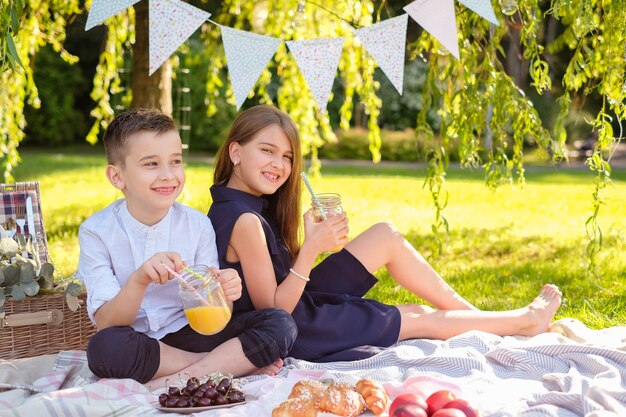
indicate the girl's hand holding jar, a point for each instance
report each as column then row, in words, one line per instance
column 329, row 235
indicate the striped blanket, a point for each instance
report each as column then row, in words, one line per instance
column 571, row 372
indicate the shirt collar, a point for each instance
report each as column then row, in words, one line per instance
column 222, row 194
column 133, row 224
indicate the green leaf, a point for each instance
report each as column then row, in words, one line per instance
column 72, row 302
column 45, row 283
column 11, row 274
column 8, row 247
column 30, row 288
column 27, row 272
column 13, row 50
column 47, row 271
column 74, row 289
column 17, row 293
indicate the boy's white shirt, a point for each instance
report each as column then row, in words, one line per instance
column 113, row 244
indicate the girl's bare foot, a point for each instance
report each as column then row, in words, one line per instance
column 541, row 310
column 270, row 370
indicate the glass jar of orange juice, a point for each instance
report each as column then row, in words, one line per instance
column 204, row 301
column 329, row 205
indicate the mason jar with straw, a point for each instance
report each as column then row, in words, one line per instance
column 203, row 299
column 324, row 205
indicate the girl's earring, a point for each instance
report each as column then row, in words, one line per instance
column 235, row 163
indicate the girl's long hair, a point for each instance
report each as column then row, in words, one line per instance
column 284, row 204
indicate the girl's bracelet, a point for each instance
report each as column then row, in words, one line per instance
column 299, row 275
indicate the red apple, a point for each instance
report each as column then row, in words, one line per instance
column 410, row 410
column 448, row 412
column 438, row 400
column 464, row 406
column 407, row 398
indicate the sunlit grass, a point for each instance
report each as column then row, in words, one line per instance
column 502, row 247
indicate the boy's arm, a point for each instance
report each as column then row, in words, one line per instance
column 123, row 308
column 108, row 304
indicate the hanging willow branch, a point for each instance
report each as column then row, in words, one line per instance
column 40, row 23
column 470, row 104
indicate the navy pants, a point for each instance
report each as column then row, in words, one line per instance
column 122, row 352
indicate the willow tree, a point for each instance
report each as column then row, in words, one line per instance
column 26, row 25
column 481, row 110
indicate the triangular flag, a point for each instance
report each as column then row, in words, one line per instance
column 385, row 43
column 171, row 23
column 318, row 60
column 101, row 10
column 483, row 8
column 247, row 54
column 437, row 17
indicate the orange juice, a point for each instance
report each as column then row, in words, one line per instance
column 208, row 319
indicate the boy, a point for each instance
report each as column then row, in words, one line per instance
column 125, row 248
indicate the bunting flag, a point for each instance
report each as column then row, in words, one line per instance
column 385, row 42
column 318, row 60
column 171, row 23
column 101, row 10
column 483, row 8
column 247, row 54
column 437, row 17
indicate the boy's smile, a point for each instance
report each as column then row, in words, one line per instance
column 152, row 176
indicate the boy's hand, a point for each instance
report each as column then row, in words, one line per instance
column 154, row 271
column 230, row 281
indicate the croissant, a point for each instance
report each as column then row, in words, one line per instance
column 343, row 400
column 308, row 388
column 374, row 395
column 296, row 407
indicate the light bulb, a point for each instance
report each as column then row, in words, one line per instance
column 509, row 7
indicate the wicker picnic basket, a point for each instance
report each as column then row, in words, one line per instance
column 42, row 324
column 60, row 328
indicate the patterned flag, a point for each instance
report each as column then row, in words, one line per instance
column 437, row 17
column 247, row 54
column 318, row 60
column 483, row 8
column 101, row 10
column 171, row 23
column 385, row 41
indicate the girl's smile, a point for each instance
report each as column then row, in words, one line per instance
column 262, row 164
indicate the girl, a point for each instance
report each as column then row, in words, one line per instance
column 256, row 213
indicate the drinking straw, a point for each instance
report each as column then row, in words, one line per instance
column 313, row 196
column 185, row 283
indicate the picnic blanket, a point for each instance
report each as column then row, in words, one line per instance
column 572, row 371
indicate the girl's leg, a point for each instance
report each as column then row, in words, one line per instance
column 425, row 322
column 382, row 245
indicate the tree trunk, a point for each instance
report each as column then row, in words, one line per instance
column 149, row 91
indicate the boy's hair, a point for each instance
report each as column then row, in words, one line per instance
column 284, row 204
column 130, row 122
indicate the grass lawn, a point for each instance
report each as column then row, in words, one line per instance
column 502, row 247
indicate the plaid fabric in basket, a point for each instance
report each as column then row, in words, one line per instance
column 14, row 207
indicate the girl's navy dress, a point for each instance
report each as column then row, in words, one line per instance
column 334, row 321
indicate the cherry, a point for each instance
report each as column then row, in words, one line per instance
column 211, row 393
column 220, row 400
column 203, row 402
column 163, row 399
column 173, row 391
column 223, row 386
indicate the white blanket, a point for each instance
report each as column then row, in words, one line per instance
column 549, row 375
